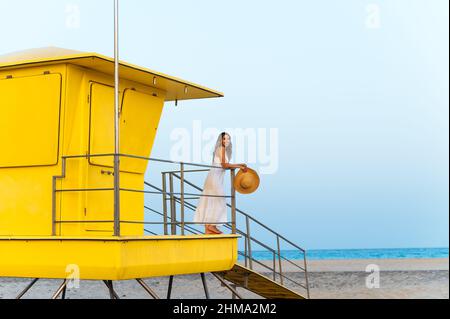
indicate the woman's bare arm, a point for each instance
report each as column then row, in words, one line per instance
column 225, row 164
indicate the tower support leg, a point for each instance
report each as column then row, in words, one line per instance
column 112, row 293
column 27, row 288
column 147, row 288
column 204, row 285
column 60, row 289
column 169, row 290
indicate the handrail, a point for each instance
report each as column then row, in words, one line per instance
column 176, row 198
column 117, row 219
column 88, row 156
column 149, row 192
column 273, row 270
column 129, row 222
column 242, row 233
column 247, row 236
column 278, row 273
column 249, row 216
column 172, row 198
column 190, row 170
column 191, row 206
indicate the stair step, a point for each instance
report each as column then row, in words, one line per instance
column 258, row 284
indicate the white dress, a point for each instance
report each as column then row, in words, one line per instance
column 213, row 209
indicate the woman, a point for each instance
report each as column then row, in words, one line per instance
column 213, row 209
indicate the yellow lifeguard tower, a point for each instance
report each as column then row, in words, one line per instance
column 58, row 187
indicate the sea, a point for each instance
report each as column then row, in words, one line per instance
column 382, row 253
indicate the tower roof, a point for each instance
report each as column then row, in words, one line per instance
column 177, row 89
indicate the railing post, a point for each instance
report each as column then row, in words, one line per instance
column 63, row 175
column 164, row 187
column 279, row 259
column 116, row 197
column 233, row 202
column 306, row 274
column 249, row 242
column 173, row 213
column 54, row 206
column 116, row 123
column 245, row 251
column 182, row 197
column 274, row 266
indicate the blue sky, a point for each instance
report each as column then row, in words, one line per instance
column 361, row 110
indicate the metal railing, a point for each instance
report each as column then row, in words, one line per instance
column 116, row 220
column 278, row 259
column 170, row 199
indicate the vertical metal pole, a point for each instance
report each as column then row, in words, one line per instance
column 63, row 175
column 166, row 232
column 306, row 275
column 233, row 202
column 169, row 290
column 279, row 259
column 274, row 267
column 182, row 197
column 173, row 207
column 245, row 251
column 54, row 206
column 116, row 123
column 112, row 293
column 249, row 242
column 204, row 285
column 110, row 290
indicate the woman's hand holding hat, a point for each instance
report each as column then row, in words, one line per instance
column 246, row 180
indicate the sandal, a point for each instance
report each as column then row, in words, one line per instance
column 216, row 230
column 209, row 230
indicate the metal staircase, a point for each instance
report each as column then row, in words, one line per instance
column 267, row 280
column 258, row 284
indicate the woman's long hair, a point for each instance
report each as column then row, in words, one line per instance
column 219, row 143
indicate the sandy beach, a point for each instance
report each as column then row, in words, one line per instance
column 399, row 278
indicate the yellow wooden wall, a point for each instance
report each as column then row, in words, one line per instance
column 31, row 149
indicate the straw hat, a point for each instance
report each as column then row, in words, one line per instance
column 246, row 183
